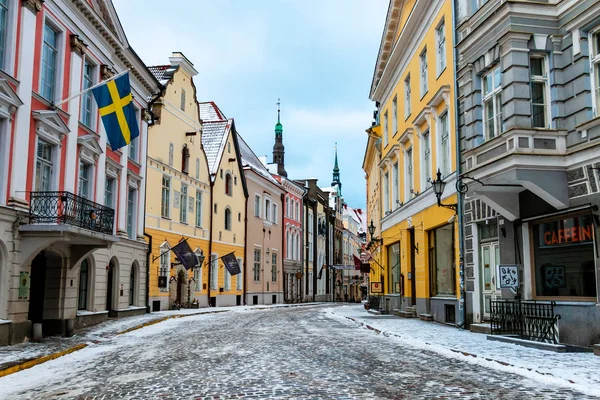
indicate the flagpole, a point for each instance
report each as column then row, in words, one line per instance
column 90, row 88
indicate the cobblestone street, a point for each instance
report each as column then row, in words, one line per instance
column 283, row 353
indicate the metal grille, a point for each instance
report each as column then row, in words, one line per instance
column 530, row 320
column 70, row 209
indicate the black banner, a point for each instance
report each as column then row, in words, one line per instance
column 185, row 255
column 231, row 264
column 365, row 268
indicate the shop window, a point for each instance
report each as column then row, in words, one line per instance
column 564, row 257
column 394, row 267
column 441, row 261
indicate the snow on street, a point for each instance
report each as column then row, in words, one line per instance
column 289, row 353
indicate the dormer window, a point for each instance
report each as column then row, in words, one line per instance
column 185, row 159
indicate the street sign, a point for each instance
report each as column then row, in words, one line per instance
column 376, row 287
column 508, row 276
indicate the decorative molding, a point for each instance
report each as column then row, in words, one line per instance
column 50, row 126
column 407, row 135
column 106, row 72
column 424, row 116
column 443, row 94
column 78, row 45
column 9, row 101
column 89, row 149
column 33, row 5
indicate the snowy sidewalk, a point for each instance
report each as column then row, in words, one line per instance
column 20, row 353
column 575, row 370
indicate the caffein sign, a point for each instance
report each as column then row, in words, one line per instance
column 567, row 231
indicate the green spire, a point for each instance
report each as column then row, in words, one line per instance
column 278, row 126
column 336, row 173
column 335, row 166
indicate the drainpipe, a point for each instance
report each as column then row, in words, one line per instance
column 148, row 253
column 210, row 238
column 283, row 249
column 462, row 323
column 245, row 277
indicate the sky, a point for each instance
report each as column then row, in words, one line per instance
column 317, row 56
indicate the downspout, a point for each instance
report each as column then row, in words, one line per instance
column 462, row 304
column 283, row 250
column 245, row 277
column 315, row 248
column 210, row 238
column 148, row 253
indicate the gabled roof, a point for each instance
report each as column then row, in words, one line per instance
column 214, row 137
column 210, row 112
column 163, row 73
column 251, row 161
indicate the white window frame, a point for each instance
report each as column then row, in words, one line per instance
column 214, row 272
column 408, row 165
column 273, row 267
column 544, row 80
column 60, row 57
column 256, row 264
column 424, row 76
column 171, row 154
column 198, row 208
column 88, row 96
column 494, row 96
column 441, row 48
column 257, row 205
column 87, row 180
column 183, row 204
column 395, row 185
column 132, row 207
column 395, row 115
column 385, row 129
column 407, row 97
column 386, row 193
column 425, row 159
column 226, row 279
column 165, row 212
column 267, row 213
column 595, row 69
column 197, row 168
column 238, row 278
column 198, row 278
column 444, row 161
column 111, row 192
column 182, row 100
column 164, row 264
column 51, row 164
column 225, row 213
column 275, row 217
column 10, row 39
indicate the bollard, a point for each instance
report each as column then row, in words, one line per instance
column 37, row 332
column 70, row 327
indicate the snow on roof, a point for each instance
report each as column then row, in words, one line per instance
column 210, row 112
column 249, row 159
column 163, row 73
column 214, row 137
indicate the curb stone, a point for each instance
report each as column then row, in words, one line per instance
column 36, row 361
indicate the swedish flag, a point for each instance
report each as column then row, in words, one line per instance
column 115, row 104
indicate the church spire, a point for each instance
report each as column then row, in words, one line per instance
column 278, row 149
column 336, row 173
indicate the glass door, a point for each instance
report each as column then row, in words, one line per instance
column 490, row 258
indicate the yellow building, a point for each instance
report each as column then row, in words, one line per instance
column 413, row 86
column 178, row 190
column 229, row 196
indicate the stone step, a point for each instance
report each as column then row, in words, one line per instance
column 426, row 317
column 405, row 314
column 484, row 328
column 597, row 349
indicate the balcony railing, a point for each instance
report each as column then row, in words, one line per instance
column 530, row 320
column 70, row 209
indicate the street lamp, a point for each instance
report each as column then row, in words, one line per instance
column 374, row 239
column 438, row 188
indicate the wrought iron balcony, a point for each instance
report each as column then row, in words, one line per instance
column 70, row 209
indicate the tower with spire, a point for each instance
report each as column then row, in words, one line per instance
column 336, row 173
column 278, row 149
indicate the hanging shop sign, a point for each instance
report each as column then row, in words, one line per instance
column 566, row 231
column 376, row 287
column 508, row 276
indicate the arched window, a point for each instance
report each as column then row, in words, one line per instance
column 132, row 284
column 84, row 272
column 288, row 248
column 228, row 185
column 298, row 246
column 228, row 219
column 185, row 159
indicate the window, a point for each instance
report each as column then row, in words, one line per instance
column 238, row 277
column 564, row 257
column 228, row 219
column 3, row 32
column 426, row 146
column 385, row 129
column 274, row 219
column 257, row 206
column 198, row 208
column 171, row 149
column 109, row 190
column 267, row 209
column 185, row 159
column 407, row 108
column 539, row 92
column 441, row 48
column 228, row 147
column 256, row 268
column 441, row 261
column 409, row 173
column 198, row 276
column 288, row 247
column 395, row 192
column 165, row 209
column 394, row 266
column 164, row 266
column 131, row 214
column 197, row 168
column 444, row 163
column 395, row 115
column 86, row 98
column 287, row 206
column 43, row 167
column 83, row 285
column 423, row 62
column 273, row 267
column 49, row 64
column 386, row 193
column 297, row 212
column 492, row 104
column 214, row 273
column 133, row 149
column 226, row 279
column 183, row 202
column 596, row 69
column 228, row 185
column 84, row 180
column 132, row 284
column 182, row 105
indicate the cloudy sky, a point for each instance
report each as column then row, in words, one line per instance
column 318, row 56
